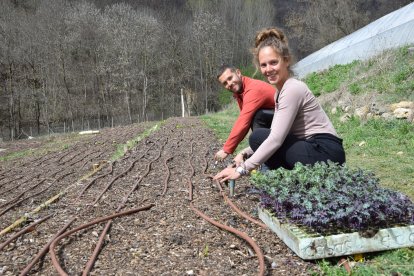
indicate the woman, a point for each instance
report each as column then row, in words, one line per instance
column 300, row 131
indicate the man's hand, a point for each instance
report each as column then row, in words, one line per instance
column 221, row 155
column 226, row 174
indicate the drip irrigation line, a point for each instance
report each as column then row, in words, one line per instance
column 21, row 184
column 17, row 178
column 22, row 193
column 36, row 194
column 345, row 263
column 190, row 189
column 40, row 161
column 167, row 178
column 229, row 201
column 80, row 159
column 119, row 176
column 90, row 159
column 63, row 156
column 125, row 198
column 29, row 228
column 95, row 170
column 24, row 199
column 241, row 234
column 191, row 165
column 55, row 241
column 98, row 247
column 94, row 179
column 236, row 209
column 24, row 218
column 66, row 161
column 44, row 250
column 190, row 184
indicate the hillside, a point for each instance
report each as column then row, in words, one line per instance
column 73, row 65
column 165, row 169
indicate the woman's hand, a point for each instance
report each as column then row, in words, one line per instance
column 226, row 174
column 239, row 159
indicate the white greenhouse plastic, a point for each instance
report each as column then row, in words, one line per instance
column 393, row 30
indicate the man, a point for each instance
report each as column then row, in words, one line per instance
column 256, row 103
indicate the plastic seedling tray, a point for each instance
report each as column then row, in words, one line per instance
column 315, row 246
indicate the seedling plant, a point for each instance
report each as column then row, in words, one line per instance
column 331, row 198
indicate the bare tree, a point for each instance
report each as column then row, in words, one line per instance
column 77, row 64
column 11, row 64
column 323, row 21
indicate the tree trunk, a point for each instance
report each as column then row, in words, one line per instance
column 12, row 120
column 145, row 96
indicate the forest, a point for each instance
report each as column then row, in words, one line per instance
column 69, row 65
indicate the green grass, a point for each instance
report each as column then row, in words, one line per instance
column 381, row 263
column 329, row 80
column 384, row 147
column 390, row 74
column 17, row 154
column 222, row 122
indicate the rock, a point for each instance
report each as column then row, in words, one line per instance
column 403, row 113
column 334, row 110
column 362, row 112
column 3, row 269
column 274, row 265
column 363, row 143
column 400, row 153
column 377, row 110
column 190, row 272
column 402, row 104
column 344, row 118
column 386, row 116
column 347, row 108
column 251, row 253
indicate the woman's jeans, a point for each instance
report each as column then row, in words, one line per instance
column 320, row 147
column 262, row 119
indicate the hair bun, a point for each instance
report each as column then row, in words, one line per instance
column 270, row 33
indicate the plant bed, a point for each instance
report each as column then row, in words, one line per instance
column 327, row 210
column 310, row 246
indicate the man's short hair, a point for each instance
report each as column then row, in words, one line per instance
column 223, row 68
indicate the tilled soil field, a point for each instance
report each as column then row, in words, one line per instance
column 164, row 181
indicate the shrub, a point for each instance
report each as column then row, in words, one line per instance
column 331, row 198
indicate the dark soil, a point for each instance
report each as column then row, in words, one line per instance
column 168, row 239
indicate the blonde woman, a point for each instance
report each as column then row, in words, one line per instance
column 300, row 130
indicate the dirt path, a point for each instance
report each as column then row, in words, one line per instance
column 167, row 239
